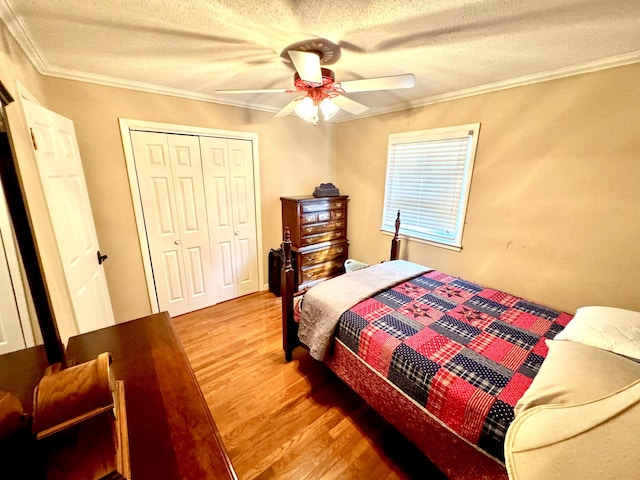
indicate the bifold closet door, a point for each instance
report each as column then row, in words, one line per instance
column 169, row 173
column 227, row 166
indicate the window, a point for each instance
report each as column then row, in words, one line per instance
column 428, row 180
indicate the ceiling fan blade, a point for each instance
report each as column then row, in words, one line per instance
column 349, row 105
column 265, row 90
column 307, row 65
column 289, row 107
column 379, row 83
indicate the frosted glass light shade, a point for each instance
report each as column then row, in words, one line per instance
column 306, row 110
column 328, row 108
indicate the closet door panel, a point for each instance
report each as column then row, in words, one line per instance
column 162, row 205
column 226, row 267
column 197, row 272
column 244, row 261
column 215, row 169
column 244, row 214
column 189, row 211
column 155, row 181
column 186, row 168
column 173, row 276
column 221, row 194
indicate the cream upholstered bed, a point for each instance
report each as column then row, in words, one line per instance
column 581, row 416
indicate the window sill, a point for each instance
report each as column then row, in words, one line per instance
column 455, row 248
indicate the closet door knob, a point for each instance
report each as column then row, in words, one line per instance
column 177, row 242
column 237, row 232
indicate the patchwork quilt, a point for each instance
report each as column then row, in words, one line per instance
column 464, row 353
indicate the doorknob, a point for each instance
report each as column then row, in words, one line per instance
column 237, row 232
column 177, row 242
column 101, row 258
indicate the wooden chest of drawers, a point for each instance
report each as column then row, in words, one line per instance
column 318, row 236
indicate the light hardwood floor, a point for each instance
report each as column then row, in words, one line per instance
column 293, row 420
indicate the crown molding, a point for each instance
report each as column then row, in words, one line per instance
column 149, row 88
column 22, row 35
column 602, row 64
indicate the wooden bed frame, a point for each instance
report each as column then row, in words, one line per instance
column 289, row 292
column 448, row 452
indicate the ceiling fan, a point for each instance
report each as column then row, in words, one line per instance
column 317, row 90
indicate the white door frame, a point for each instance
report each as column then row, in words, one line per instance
column 126, row 125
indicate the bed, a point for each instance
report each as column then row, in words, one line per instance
column 444, row 360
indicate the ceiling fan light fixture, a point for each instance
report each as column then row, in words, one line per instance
column 307, row 110
column 328, row 108
column 318, row 89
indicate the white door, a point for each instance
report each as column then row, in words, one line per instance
column 60, row 168
column 227, row 167
column 170, row 182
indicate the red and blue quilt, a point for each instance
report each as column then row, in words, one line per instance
column 464, row 353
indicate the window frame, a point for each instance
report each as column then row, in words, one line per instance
column 454, row 241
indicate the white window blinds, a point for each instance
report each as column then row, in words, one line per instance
column 428, row 180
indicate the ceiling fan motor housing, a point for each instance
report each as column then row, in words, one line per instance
column 319, row 91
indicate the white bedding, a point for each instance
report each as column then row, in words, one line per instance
column 326, row 302
column 613, row 329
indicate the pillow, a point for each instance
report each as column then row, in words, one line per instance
column 576, row 373
column 612, row 329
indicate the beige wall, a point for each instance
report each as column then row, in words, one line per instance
column 294, row 157
column 553, row 213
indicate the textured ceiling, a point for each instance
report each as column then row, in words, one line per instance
column 195, row 47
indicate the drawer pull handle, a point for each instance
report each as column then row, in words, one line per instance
column 340, row 250
column 310, row 259
column 339, row 204
column 309, row 275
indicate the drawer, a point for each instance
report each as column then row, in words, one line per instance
column 323, row 255
column 321, row 227
column 325, row 269
column 337, row 214
column 320, row 205
column 322, row 216
column 322, row 237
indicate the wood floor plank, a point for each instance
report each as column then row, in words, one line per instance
column 280, row 420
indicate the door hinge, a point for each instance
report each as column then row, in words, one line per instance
column 33, row 139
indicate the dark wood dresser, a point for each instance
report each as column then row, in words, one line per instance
column 172, row 434
column 318, row 236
